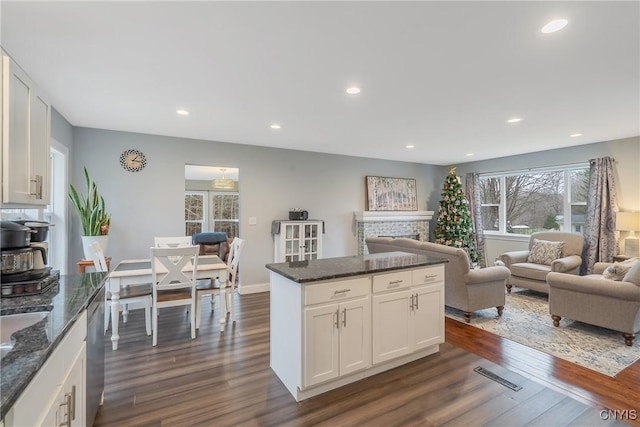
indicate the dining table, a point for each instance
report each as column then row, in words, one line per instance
column 138, row 271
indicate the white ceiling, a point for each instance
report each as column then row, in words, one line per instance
column 444, row 76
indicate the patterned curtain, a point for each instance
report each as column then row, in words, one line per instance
column 600, row 222
column 472, row 185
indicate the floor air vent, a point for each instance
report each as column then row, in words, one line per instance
column 497, row 378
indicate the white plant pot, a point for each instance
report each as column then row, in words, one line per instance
column 88, row 240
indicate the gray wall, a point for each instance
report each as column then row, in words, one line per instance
column 151, row 202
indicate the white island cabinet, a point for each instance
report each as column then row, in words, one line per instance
column 338, row 320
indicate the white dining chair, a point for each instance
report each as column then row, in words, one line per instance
column 171, row 286
column 172, row 242
column 212, row 287
column 131, row 297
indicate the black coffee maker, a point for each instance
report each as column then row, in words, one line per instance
column 21, row 260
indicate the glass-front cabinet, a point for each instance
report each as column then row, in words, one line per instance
column 298, row 241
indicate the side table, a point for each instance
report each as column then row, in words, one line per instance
column 84, row 263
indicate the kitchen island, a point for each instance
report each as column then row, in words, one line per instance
column 338, row 320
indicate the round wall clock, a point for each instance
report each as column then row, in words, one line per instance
column 133, row 160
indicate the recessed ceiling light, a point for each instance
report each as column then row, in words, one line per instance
column 182, row 112
column 353, row 90
column 555, row 25
column 409, row 146
column 514, row 120
column 469, row 154
column 575, row 135
column 275, row 126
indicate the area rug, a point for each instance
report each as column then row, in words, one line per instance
column 526, row 320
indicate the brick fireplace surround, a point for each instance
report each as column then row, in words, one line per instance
column 391, row 223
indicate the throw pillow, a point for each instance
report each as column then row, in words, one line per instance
column 618, row 270
column 633, row 275
column 545, row 251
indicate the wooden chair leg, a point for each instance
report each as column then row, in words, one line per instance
column 556, row 320
column 628, row 338
column 467, row 316
column 509, row 289
column 500, row 308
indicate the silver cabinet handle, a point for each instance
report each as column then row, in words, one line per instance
column 337, row 313
column 344, row 317
column 416, row 300
column 395, row 282
column 72, row 407
column 67, row 413
column 430, row 276
column 38, row 187
column 411, row 305
column 341, row 291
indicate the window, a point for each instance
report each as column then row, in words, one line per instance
column 224, row 216
column 522, row 202
column 194, row 212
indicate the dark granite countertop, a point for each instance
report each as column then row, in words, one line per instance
column 335, row 268
column 33, row 345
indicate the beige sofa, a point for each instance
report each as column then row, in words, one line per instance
column 597, row 301
column 465, row 289
column 533, row 276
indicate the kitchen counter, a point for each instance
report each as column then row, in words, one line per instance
column 33, row 345
column 342, row 267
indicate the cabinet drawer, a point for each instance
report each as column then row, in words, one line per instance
column 427, row 275
column 392, row 281
column 336, row 291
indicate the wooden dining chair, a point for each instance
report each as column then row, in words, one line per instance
column 131, row 297
column 212, row 287
column 171, row 286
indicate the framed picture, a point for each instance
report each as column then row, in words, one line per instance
column 391, row 194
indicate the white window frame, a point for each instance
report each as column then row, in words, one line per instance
column 568, row 202
column 205, row 209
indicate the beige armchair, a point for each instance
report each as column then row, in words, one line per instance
column 533, row 275
column 464, row 288
column 597, row 301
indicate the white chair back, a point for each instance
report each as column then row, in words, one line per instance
column 173, row 260
column 98, row 258
column 172, row 242
column 234, row 258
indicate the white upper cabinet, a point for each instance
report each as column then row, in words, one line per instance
column 26, row 129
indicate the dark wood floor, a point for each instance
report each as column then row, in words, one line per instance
column 225, row 380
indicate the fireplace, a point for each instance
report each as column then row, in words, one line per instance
column 412, row 224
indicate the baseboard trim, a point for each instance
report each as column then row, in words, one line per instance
column 254, row 288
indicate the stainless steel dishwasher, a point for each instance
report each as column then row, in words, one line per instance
column 95, row 356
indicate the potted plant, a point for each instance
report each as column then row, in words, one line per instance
column 93, row 215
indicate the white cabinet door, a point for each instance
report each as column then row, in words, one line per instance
column 391, row 325
column 298, row 241
column 26, row 129
column 427, row 319
column 355, row 333
column 321, row 344
column 336, row 340
column 74, row 389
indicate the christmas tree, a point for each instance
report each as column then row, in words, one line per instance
column 454, row 227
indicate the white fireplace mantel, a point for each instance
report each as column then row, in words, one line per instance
column 377, row 216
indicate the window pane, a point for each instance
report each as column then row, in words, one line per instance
column 192, row 228
column 193, row 207
column 225, row 206
column 534, row 201
column 578, row 215
column 490, row 218
column 579, row 185
column 229, row 227
column 490, row 191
